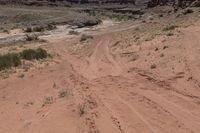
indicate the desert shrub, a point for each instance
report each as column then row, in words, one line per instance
column 85, row 37
column 72, row 32
column 31, row 37
column 9, row 60
column 187, row 11
column 28, row 29
column 82, row 109
column 170, row 34
column 41, row 53
column 83, row 20
column 122, row 18
column 38, row 28
column 50, row 27
column 48, row 100
column 153, row 66
column 171, row 27
column 6, row 31
column 30, row 54
column 165, row 47
column 63, row 93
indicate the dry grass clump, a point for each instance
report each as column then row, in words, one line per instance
column 14, row 59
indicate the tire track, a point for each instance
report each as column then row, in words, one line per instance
column 129, row 100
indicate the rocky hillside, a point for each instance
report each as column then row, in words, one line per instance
column 70, row 2
column 148, row 3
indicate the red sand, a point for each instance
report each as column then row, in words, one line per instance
column 118, row 96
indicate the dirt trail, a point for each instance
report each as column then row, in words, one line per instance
column 105, row 94
column 101, row 61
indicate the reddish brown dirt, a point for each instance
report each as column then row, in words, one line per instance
column 118, row 95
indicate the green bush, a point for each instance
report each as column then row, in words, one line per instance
column 122, row 18
column 85, row 37
column 30, row 54
column 41, row 53
column 9, row 60
column 14, row 59
column 39, row 28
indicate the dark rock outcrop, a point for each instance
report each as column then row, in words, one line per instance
column 64, row 2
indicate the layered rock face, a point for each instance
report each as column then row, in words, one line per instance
column 70, row 1
column 59, row 2
column 149, row 3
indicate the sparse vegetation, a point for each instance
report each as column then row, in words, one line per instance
column 9, row 60
column 21, row 75
column 122, row 18
column 26, row 67
column 5, row 74
column 116, row 14
column 170, row 34
column 153, row 66
column 85, row 37
column 30, row 54
column 14, row 59
column 165, row 47
column 63, row 93
column 28, row 29
column 6, row 31
column 126, row 79
column 187, row 11
column 72, row 32
column 31, row 37
column 54, row 85
column 48, row 100
column 137, row 29
column 38, row 29
column 82, row 109
column 50, row 27
column 162, row 55
column 156, row 49
column 12, row 49
column 171, row 27
column 38, row 19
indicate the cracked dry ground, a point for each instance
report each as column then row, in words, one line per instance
column 110, row 88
